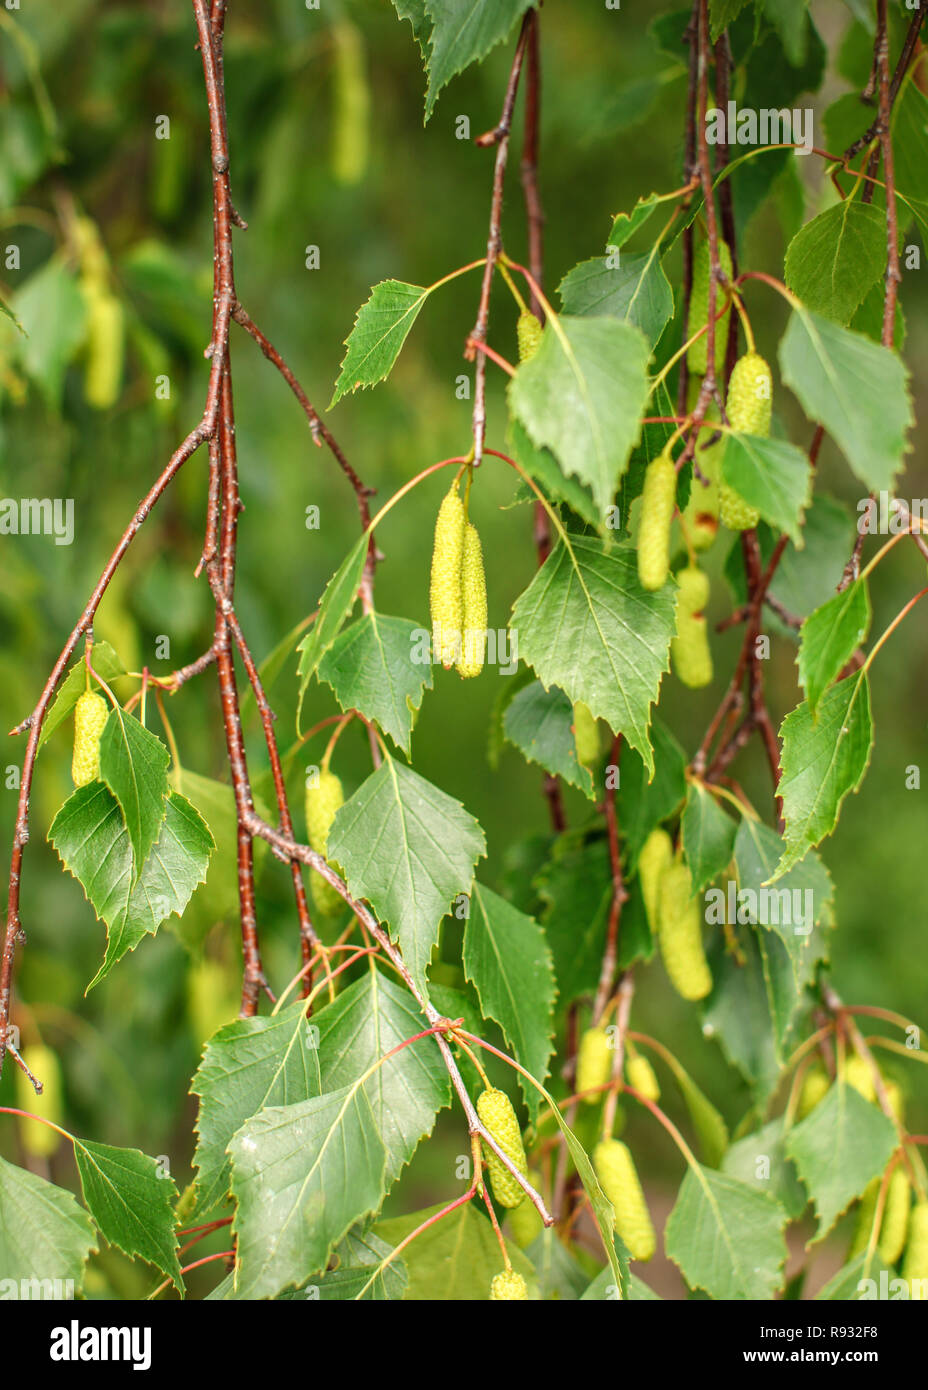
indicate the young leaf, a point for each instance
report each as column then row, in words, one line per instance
column 45, row 1234
column 464, row 32
column 838, row 1148
column 337, row 602
column 830, row 636
column 825, row 756
column 134, row 765
column 708, row 836
column 302, row 1175
column 539, row 723
column 132, row 1202
column 372, row 667
column 626, row 224
column 855, row 388
column 836, row 258
column 635, row 290
column 726, row 1237
column 586, row 624
column 582, row 398
column 106, row 664
column 773, row 476
column 410, row 850
column 379, row 332
column 93, row 843
column 508, row 960
column 722, row 13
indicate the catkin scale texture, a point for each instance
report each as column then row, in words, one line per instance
column 473, row 605
column 508, row 1284
column 497, row 1115
column 656, row 855
column 322, row 802
column 594, row 1063
column 445, row 593
column 90, row 715
column 680, row 934
column 528, row 333
column 658, row 499
column 615, row 1169
column 690, row 654
column 748, row 407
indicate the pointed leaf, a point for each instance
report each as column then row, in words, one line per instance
column 337, row 602
column 44, row 1233
column 132, row 1201
column 379, row 332
column 773, row 476
column 134, row 765
column 726, row 1237
column 834, row 260
column 635, row 289
column 760, row 1161
column 372, row 667
column 830, row 636
column 464, row 32
column 539, row 722
column 106, row 664
column 708, row 836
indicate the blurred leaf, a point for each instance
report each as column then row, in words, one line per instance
column 582, row 397
column 737, row 1013
column 726, row 1237
column 708, row 836
column 51, row 309
column 844, row 1286
column 790, row 19
column 721, row 14
column 853, row 387
column 507, row 958
column 44, row 1233
column 454, row 1259
column 337, row 602
column 760, row 1161
column 709, row 1125
column 586, row 624
column 560, row 1277
column 132, row 1201
column 603, row 1288
column 539, row 723
column 830, row 636
column 910, row 141
column 836, row 258
column 134, row 765
column 410, row 849
column 838, row 1149
column 824, row 757
column 371, row 666
column 380, row 329
column 773, row 476
column 808, row 889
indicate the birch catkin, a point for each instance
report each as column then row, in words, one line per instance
column 90, row 714
column 690, row 655
column 446, row 596
column 680, row 934
column 473, row 605
column 497, row 1115
column 618, row 1178
column 658, row 499
column 323, row 800
column 748, row 407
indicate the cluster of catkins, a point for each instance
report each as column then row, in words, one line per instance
column 748, row 410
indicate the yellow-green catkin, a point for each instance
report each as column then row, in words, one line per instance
column 815, row 1084
column 525, row 1221
column 656, row 856
column 528, row 332
column 615, row 1169
column 106, row 331
column 39, row 1140
column 680, row 934
column 508, row 1284
column 701, row 514
column 895, row 1217
column 90, row 714
column 748, row 407
column 915, row 1264
column 497, row 1115
column 473, row 605
column 594, row 1063
column 859, row 1074
column 690, row 654
column 641, row 1077
column 698, row 354
column 352, row 101
column 586, row 734
column 896, row 1100
column 446, row 596
column 658, row 499
column 323, row 799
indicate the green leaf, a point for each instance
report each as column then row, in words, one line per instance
column 829, row 638
column 52, row 312
column 709, row 1125
column 454, row 1259
column 708, row 836
column 582, row 397
column 8, row 313
column 604, row 1289
column 844, row 1143
column 410, row 850
column 626, row 224
column 414, row 11
column 131, row 1199
column 760, row 1161
column 560, row 1276
column 576, row 887
column 45, row 1234
column 586, row 624
column 93, row 843
column 541, row 465
column 773, row 476
column 641, row 805
column 726, row 1237
column 844, row 1287
column 507, row 958
column 248, row 1065
column 134, row 765
column 791, row 911
column 379, row 332
column 337, row 602
column 910, row 141
column 855, row 388
column 540, row 724
column 358, row 1256
column 302, row 1175
column 721, row 14
column 464, row 32
column 635, row 290
column 836, row 258
column 365, row 1022
column 106, row 664
column 217, row 899
column 791, row 20
column 825, row 756
column 372, row 668
column 737, row 1013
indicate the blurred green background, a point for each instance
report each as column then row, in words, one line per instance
column 328, row 149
